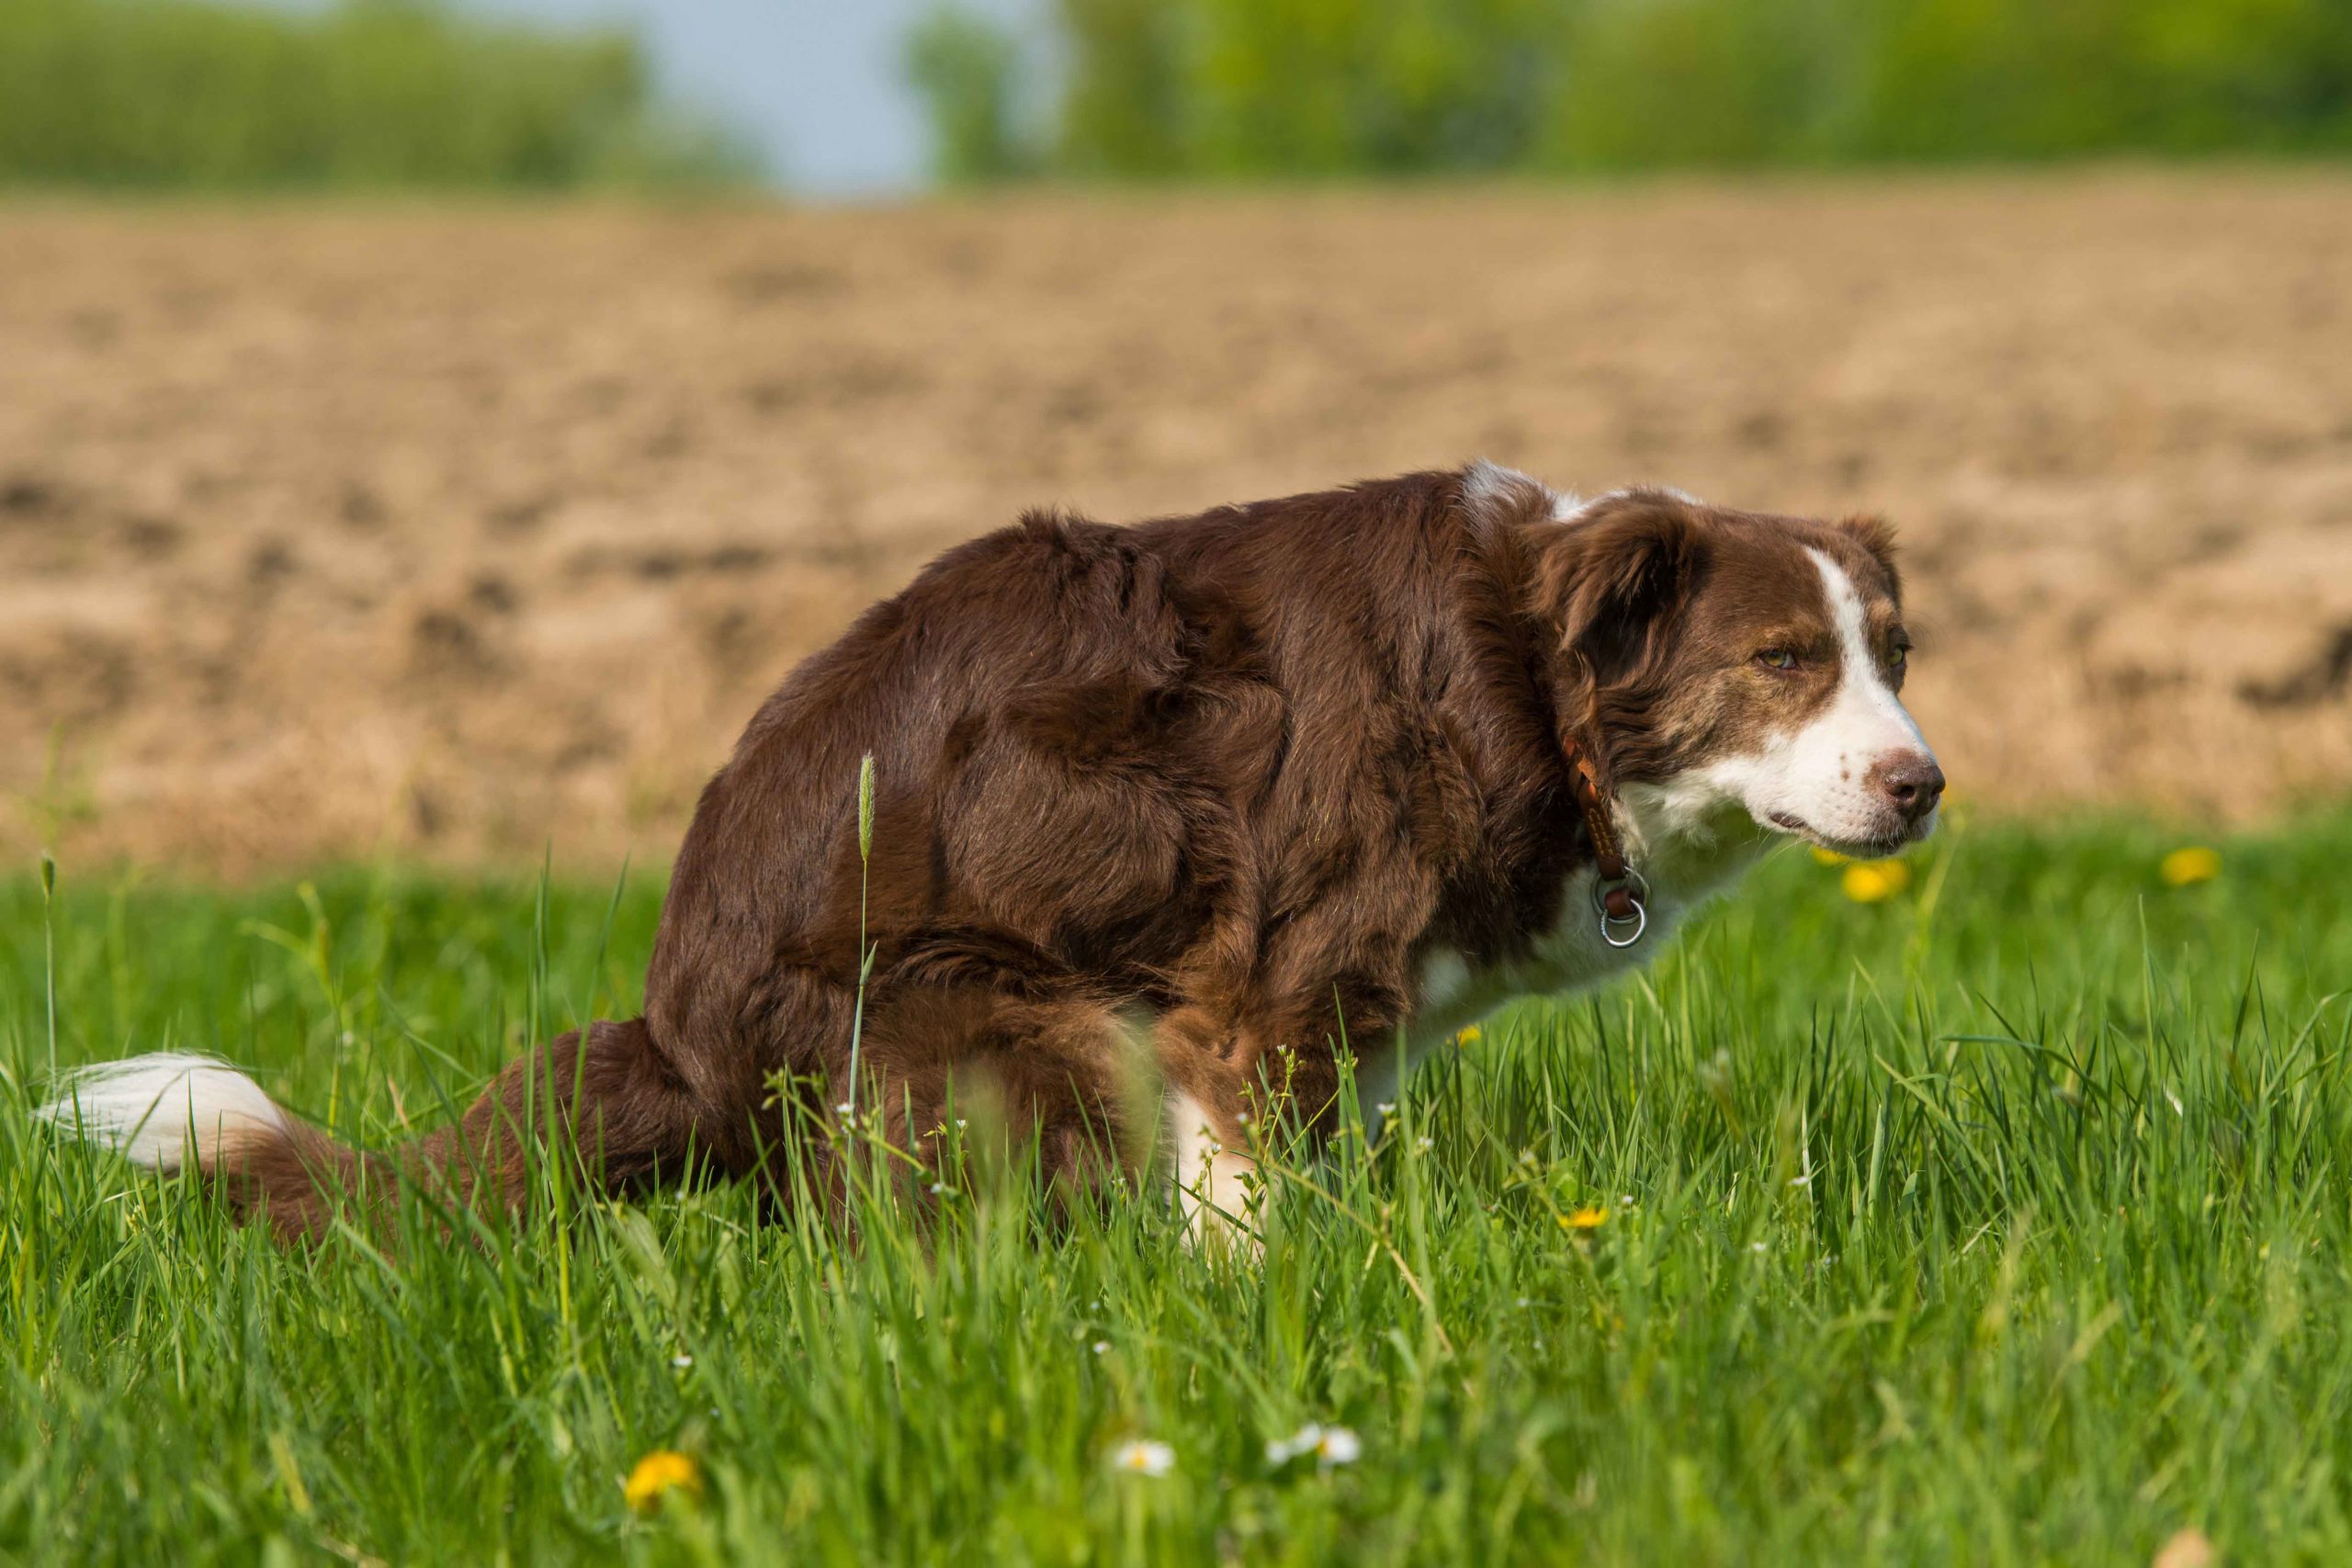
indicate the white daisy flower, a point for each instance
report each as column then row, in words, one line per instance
column 1338, row 1446
column 1143, row 1457
column 1282, row 1451
column 1331, row 1446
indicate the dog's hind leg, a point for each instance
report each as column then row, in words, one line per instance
column 1056, row 1079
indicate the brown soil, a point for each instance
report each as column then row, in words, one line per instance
column 457, row 532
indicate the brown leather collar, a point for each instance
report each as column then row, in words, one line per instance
column 1615, row 892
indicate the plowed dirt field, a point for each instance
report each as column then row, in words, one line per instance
column 458, row 532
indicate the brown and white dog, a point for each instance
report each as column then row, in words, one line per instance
column 1224, row 792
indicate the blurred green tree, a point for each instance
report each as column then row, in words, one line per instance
column 1128, row 103
column 967, row 70
column 170, row 93
column 1281, row 87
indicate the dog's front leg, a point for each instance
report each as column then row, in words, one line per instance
column 1218, row 1191
column 1204, row 1128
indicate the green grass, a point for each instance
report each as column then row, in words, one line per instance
column 2002, row 1222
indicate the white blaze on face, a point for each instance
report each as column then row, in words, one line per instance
column 1820, row 778
column 1835, row 758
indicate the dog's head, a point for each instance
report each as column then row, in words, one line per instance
column 1724, row 662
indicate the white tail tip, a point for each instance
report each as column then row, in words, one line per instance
column 148, row 1108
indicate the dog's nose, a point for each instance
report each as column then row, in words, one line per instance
column 1912, row 781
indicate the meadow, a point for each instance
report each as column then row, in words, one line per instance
column 1992, row 1208
column 1996, row 1217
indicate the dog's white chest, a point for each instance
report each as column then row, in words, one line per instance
column 1684, row 871
column 1576, row 953
column 1456, row 988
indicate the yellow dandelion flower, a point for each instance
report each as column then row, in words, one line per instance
column 657, row 1474
column 1469, row 1036
column 1873, row 882
column 1585, row 1219
column 1828, row 857
column 2188, row 865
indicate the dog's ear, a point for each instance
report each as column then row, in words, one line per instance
column 1608, row 581
column 1876, row 536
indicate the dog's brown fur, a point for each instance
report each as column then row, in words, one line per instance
column 1232, row 775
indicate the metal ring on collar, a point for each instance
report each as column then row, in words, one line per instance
column 1641, row 916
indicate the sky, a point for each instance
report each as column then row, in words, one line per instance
column 816, row 82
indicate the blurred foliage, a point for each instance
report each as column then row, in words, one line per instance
column 1149, row 87
column 192, row 93
column 967, row 71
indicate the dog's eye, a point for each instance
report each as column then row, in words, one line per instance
column 1898, row 656
column 1777, row 658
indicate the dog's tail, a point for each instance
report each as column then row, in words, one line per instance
column 606, row 1093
